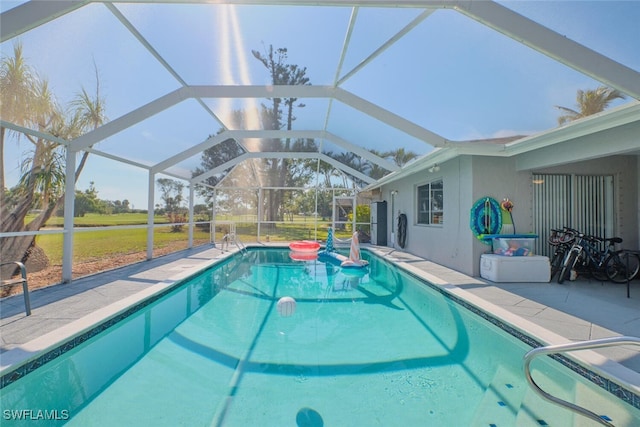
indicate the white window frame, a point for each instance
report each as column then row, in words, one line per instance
column 427, row 210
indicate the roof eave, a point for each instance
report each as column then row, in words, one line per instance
column 596, row 123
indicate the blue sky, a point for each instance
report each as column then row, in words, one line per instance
column 450, row 74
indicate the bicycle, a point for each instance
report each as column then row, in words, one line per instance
column 561, row 241
column 622, row 266
column 585, row 255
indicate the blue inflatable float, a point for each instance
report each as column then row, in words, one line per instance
column 486, row 218
column 353, row 261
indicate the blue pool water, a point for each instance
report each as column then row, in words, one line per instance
column 363, row 348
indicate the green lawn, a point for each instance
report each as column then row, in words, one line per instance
column 95, row 244
column 99, row 220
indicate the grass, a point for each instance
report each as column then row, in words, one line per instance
column 100, row 220
column 96, row 244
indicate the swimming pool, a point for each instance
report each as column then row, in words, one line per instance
column 377, row 347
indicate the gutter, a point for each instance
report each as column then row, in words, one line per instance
column 595, row 123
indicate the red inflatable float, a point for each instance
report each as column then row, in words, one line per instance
column 303, row 256
column 304, row 246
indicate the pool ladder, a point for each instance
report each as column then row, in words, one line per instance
column 563, row 348
column 233, row 238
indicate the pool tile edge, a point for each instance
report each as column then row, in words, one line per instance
column 19, row 361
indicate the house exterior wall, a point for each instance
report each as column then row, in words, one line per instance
column 452, row 243
column 447, row 243
column 497, row 177
column 469, row 178
column 624, row 169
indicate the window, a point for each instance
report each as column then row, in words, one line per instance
column 430, row 203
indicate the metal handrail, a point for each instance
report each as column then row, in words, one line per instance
column 562, row 348
column 22, row 280
column 233, row 238
column 241, row 247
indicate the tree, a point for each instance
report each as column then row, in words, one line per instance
column 17, row 85
column 589, row 102
column 87, row 202
column 172, row 196
column 375, row 171
column 218, row 155
column 30, row 103
column 40, row 173
column 278, row 171
column 171, row 193
column 400, row 156
column 326, row 170
column 273, row 172
column 89, row 114
column 202, row 210
column 117, row 206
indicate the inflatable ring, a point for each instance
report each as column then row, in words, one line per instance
column 402, row 230
column 303, row 256
column 354, row 264
column 486, row 218
column 304, row 246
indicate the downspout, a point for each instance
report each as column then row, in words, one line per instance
column 393, row 223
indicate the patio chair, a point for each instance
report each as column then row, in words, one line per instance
column 17, row 280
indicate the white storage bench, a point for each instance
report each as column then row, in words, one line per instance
column 500, row 268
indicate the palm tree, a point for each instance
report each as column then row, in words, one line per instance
column 17, row 82
column 39, row 172
column 401, row 157
column 43, row 114
column 374, row 170
column 90, row 115
column 589, row 102
column 30, row 103
column 326, row 170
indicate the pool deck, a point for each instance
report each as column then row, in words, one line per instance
column 575, row 311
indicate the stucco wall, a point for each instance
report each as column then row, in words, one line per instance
column 452, row 243
column 448, row 243
column 469, row 178
column 496, row 177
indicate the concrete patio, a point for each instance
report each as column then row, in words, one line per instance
column 575, row 311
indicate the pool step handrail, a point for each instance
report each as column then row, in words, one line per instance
column 233, row 238
column 563, row 348
column 241, row 247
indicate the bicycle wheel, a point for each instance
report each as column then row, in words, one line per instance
column 600, row 273
column 622, row 266
column 556, row 261
column 567, row 266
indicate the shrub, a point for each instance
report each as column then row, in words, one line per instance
column 177, row 221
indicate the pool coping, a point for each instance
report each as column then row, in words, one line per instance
column 619, row 380
column 58, row 341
